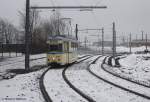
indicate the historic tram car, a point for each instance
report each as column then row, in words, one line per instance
column 61, row 50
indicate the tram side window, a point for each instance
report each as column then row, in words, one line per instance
column 56, row 47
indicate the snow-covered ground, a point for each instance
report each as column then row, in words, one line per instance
column 22, row 88
column 12, row 54
column 136, row 67
column 18, row 62
column 120, row 49
column 117, row 94
column 97, row 89
column 58, row 89
column 25, row 87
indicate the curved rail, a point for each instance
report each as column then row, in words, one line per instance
column 42, row 86
column 43, row 89
column 89, row 99
column 123, row 88
column 125, row 78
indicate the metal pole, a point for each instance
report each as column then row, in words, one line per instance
column 9, row 50
column 114, row 40
column 16, row 50
column 76, row 31
column 2, row 50
column 146, row 42
column 142, row 35
column 85, row 39
column 102, row 41
column 130, row 43
column 27, row 35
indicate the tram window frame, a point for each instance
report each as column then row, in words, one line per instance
column 56, row 48
column 66, row 44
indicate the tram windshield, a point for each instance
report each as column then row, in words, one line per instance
column 55, row 48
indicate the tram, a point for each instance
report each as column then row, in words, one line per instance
column 62, row 50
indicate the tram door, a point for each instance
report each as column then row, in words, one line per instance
column 68, row 59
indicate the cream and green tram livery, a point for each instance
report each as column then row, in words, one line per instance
column 61, row 50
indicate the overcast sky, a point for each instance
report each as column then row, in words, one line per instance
column 129, row 15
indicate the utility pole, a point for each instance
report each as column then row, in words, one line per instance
column 146, row 43
column 85, row 42
column 27, row 36
column 98, row 36
column 76, row 31
column 130, row 43
column 114, row 40
column 142, row 35
column 102, row 41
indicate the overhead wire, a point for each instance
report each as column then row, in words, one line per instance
column 100, row 1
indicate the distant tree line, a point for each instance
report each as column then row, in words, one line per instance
column 40, row 29
column 8, row 32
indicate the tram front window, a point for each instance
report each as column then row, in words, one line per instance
column 55, row 48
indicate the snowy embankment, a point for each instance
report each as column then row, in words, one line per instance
column 12, row 54
column 97, row 89
column 116, row 94
column 133, row 67
column 136, row 67
column 23, row 87
column 58, row 89
column 18, row 62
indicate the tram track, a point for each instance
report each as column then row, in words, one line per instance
column 33, row 59
column 44, row 91
column 48, row 98
column 116, row 85
column 125, row 78
column 81, row 93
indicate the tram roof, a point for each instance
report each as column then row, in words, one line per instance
column 63, row 38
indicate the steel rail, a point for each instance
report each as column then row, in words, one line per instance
column 147, row 86
column 88, row 98
column 111, row 83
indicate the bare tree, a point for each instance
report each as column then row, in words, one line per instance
column 34, row 22
column 55, row 25
column 7, row 31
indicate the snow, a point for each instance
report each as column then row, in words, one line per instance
column 18, row 62
column 96, row 88
column 137, row 67
column 22, row 88
column 133, row 49
column 25, row 87
column 12, row 54
column 120, row 49
column 57, row 88
column 122, row 96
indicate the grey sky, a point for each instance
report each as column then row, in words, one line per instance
column 129, row 15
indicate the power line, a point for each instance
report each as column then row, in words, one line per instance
column 98, row 2
column 68, row 7
column 53, row 4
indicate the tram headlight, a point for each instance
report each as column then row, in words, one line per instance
column 53, row 58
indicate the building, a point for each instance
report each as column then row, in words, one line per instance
column 140, row 42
